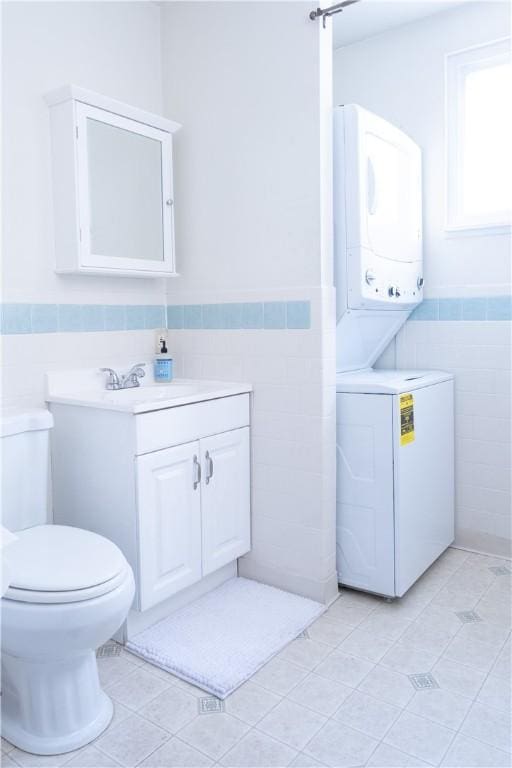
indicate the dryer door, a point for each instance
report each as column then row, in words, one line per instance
column 382, row 192
column 392, row 215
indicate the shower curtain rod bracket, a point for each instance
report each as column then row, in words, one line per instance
column 325, row 13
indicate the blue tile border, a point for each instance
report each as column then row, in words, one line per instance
column 233, row 315
column 193, row 316
column 175, row 317
column 250, row 315
column 474, row 309
column 44, row 318
column 135, row 320
column 298, row 314
column 76, row 318
column 499, row 308
column 213, row 316
column 16, row 318
column 274, row 314
column 19, row 318
column 115, row 317
column 70, row 318
column 155, row 316
column 450, row 309
column 477, row 308
column 93, row 317
column 73, row 318
column 427, row 310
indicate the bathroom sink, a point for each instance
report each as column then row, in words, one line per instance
column 153, row 392
column 88, row 390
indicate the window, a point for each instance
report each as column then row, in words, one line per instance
column 479, row 137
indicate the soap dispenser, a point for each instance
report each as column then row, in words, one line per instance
column 163, row 364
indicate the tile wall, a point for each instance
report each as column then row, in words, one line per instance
column 291, row 369
column 478, row 352
column 26, row 357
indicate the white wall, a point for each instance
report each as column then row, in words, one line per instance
column 400, row 76
column 244, row 82
column 250, row 82
column 109, row 47
column 478, row 354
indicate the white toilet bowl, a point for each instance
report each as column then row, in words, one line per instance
column 70, row 590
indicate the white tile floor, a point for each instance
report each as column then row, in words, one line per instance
column 341, row 696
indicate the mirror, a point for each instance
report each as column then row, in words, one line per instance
column 125, row 193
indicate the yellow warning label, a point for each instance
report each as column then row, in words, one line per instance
column 406, row 419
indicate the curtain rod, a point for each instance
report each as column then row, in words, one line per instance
column 330, row 11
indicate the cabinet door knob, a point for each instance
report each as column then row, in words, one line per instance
column 209, row 467
column 196, row 472
column 169, row 202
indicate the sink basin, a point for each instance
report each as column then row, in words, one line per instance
column 88, row 390
column 153, row 392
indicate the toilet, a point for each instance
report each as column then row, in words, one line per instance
column 69, row 590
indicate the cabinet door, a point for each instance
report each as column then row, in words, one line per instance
column 169, row 522
column 225, row 498
column 125, row 194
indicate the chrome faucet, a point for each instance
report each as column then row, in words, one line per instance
column 127, row 380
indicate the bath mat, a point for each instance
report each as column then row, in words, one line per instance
column 220, row 640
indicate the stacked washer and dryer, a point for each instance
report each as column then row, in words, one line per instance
column 395, row 432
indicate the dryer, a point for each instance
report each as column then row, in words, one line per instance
column 395, row 492
column 377, row 234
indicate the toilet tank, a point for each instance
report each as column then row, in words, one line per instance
column 24, row 446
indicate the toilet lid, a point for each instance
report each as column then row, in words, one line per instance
column 59, row 558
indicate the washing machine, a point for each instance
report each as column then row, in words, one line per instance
column 395, row 466
column 395, row 476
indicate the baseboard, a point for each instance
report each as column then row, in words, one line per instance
column 480, row 552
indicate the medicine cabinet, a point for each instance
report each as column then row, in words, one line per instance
column 112, row 186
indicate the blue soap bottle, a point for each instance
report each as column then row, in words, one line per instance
column 163, row 364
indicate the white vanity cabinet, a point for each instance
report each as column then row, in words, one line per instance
column 169, row 486
column 192, row 512
column 112, row 186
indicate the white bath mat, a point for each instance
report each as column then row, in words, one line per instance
column 220, row 640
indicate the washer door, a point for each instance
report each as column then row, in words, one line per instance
column 364, row 492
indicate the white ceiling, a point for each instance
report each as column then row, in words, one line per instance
column 371, row 17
